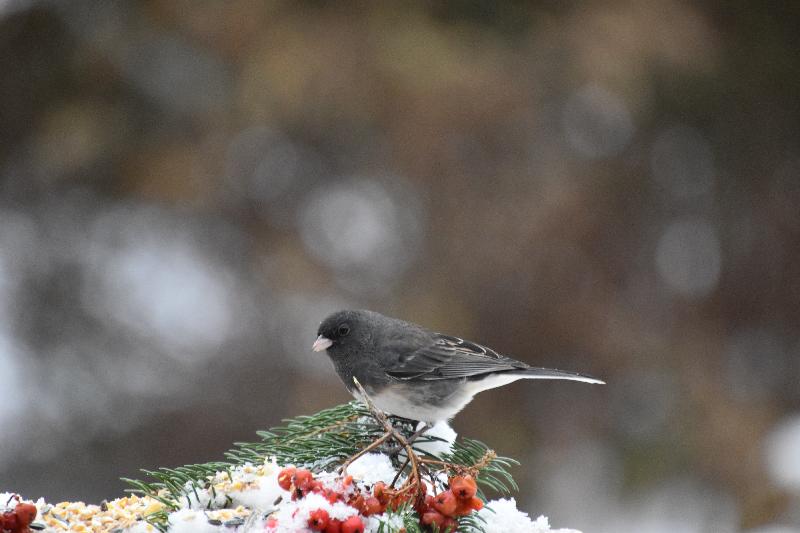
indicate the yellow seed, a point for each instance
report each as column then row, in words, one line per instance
column 152, row 508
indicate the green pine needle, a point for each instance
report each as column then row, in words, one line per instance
column 321, row 442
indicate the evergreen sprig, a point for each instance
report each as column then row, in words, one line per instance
column 322, row 442
column 494, row 475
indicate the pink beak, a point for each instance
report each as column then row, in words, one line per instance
column 322, row 343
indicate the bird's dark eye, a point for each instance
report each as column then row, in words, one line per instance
column 343, row 330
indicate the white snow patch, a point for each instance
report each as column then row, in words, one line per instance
column 292, row 516
column 256, row 488
column 440, row 430
column 199, row 499
column 506, row 517
column 262, row 491
column 140, row 527
column 373, row 523
column 371, row 468
column 190, row 521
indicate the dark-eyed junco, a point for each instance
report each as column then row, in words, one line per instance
column 414, row 373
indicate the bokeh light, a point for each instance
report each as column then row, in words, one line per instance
column 367, row 230
column 596, row 122
column 689, row 257
column 782, row 445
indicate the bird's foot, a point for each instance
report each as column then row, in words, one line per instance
column 413, row 482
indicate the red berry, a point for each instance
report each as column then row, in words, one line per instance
column 372, row 506
column 318, row 520
column 272, row 523
column 398, row 500
column 356, row 502
column 10, row 521
column 449, row 525
column 26, row 512
column 430, row 518
column 303, row 479
column 331, row 495
column 421, row 506
column 380, row 492
column 445, row 503
column 476, row 503
column 465, row 507
column 347, row 481
column 334, row 526
column 464, row 487
column 285, row 477
column 353, row 525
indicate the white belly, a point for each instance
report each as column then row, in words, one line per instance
column 396, row 403
column 402, row 400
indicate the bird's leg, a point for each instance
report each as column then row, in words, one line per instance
column 413, row 480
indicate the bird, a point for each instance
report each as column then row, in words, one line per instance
column 411, row 372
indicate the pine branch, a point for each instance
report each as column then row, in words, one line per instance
column 324, row 442
column 494, row 474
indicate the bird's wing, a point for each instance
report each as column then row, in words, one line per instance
column 451, row 357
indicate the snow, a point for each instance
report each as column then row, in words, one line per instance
column 190, row 521
column 249, row 496
column 502, row 516
column 392, row 523
column 293, row 516
column 263, row 489
column 200, row 499
column 440, row 430
column 257, row 489
column 371, row 468
column 141, row 527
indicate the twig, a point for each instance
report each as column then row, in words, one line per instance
column 380, row 440
column 413, row 479
column 399, row 472
column 484, row 461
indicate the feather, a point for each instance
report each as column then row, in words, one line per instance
column 451, row 357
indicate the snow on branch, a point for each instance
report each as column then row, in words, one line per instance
column 347, row 469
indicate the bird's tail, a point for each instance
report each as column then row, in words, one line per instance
column 550, row 373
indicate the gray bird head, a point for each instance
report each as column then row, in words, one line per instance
column 344, row 332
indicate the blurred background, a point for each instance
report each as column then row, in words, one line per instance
column 613, row 187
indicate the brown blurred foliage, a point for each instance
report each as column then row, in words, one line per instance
column 605, row 186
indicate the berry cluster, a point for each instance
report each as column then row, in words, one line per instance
column 443, row 509
column 440, row 511
column 300, row 482
column 18, row 519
